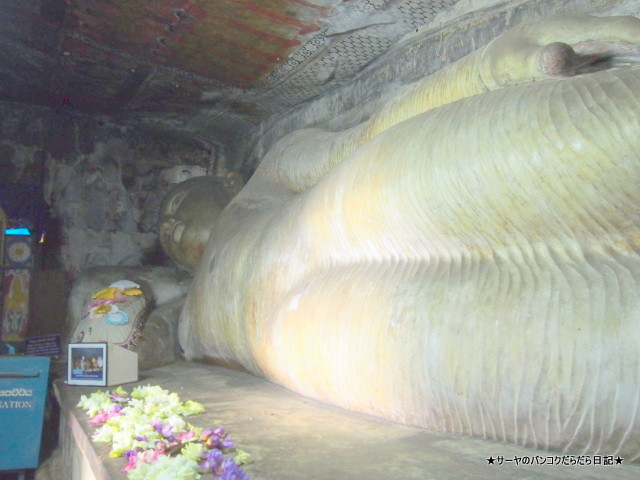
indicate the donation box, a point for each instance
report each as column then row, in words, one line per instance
column 23, row 393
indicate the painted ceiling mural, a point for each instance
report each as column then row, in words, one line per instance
column 199, row 65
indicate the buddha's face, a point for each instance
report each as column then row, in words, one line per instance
column 188, row 215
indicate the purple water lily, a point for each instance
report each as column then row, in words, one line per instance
column 217, row 438
column 231, row 471
column 165, row 430
column 212, row 461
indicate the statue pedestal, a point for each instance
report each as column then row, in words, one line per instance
column 291, row 437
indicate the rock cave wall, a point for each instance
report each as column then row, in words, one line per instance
column 103, row 183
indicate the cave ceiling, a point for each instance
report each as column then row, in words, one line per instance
column 213, row 68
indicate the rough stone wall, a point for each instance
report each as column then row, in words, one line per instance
column 452, row 34
column 103, row 183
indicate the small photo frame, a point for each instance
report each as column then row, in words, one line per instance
column 87, row 364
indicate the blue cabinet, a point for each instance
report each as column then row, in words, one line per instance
column 23, row 393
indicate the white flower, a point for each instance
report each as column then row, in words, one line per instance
column 193, row 451
column 176, row 422
column 96, row 402
column 167, row 468
column 191, row 408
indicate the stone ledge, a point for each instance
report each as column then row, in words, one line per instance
column 291, row 437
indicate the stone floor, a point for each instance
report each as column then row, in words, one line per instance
column 292, row 438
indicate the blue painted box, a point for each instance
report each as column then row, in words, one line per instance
column 23, row 393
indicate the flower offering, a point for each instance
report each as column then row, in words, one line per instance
column 148, row 429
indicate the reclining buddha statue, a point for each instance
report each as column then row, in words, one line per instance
column 467, row 260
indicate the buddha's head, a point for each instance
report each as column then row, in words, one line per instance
column 189, row 212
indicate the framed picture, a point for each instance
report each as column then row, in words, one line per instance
column 87, row 364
